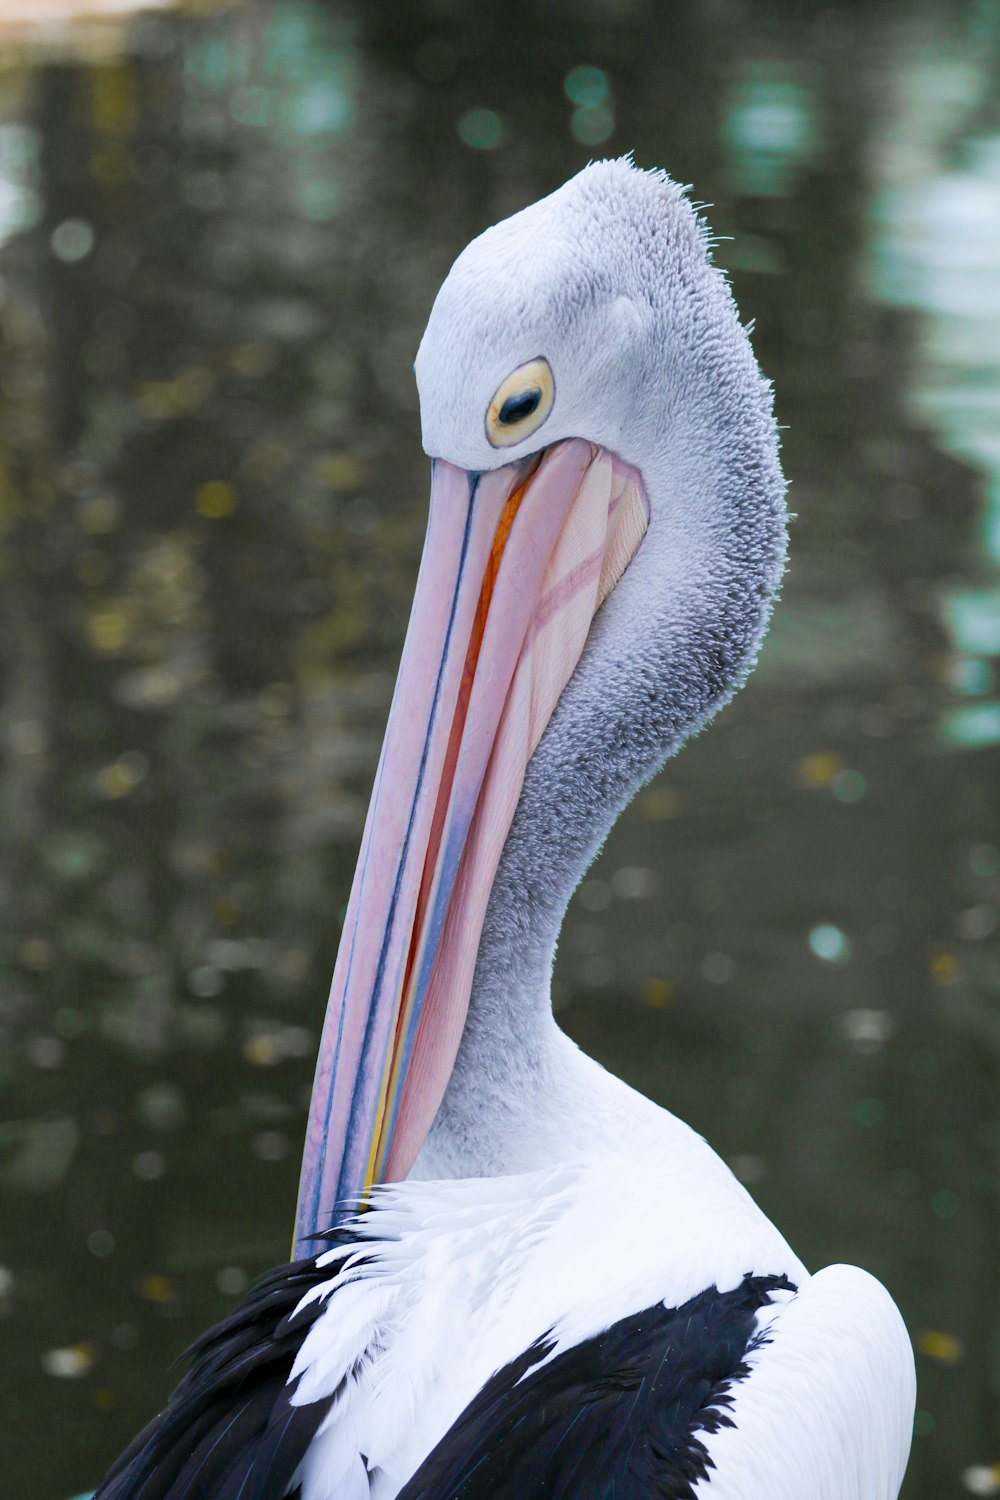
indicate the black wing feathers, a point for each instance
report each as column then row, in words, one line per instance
column 229, row 1431
column 614, row 1418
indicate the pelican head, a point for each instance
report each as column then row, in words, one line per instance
column 605, row 538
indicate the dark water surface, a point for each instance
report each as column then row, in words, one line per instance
column 222, row 230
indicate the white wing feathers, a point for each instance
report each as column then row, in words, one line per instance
column 827, row 1412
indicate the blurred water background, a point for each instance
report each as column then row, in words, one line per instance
column 222, row 227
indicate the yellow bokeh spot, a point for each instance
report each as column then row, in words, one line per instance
column 104, row 1399
column 226, row 911
column 943, row 1347
column 35, row 953
column 160, row 399
column 215, row 500
column 944, row 966
column 340, row 471
column 261, row 1051
column 659, row 803
column 108, row 629
column 156, row 1288
column 156, row 399
column 819, row 769
column 118, row 779
column 657, row 993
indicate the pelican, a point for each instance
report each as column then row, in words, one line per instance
column 514, row 1275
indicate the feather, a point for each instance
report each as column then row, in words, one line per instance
column 619, row 1415
column 230, row 1430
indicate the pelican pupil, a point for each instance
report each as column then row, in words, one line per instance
column 516, row 408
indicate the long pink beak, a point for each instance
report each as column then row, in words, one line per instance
column 515, row 565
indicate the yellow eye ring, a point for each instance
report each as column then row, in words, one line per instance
column 521, row 404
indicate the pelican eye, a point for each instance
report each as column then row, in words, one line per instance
column 521, row 404
column 516, row 408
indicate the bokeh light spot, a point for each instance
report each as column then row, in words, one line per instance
column 984, row 861
column 592, row 127
column 68, row 1364
column 635, row 882
column 973, row 726
column 338, row 471
column 35, row 953
column 867, row 1029
column 944, row 967
column 270, row 1145
column 829, row 943
column 976, row 922
column 232, row 1281
column 820, row 768
column 482, row 129
column 940, row 1346
column 982, row 1479
column 659, row 803
column 215, row 500
column 148, row 1166
column 586, row 86
column 72, row 240
column 657, row 993
column 108, row 629
column 124, row 774
column 849, row 786
column 594, row 895
column 155, row 1288
column 971, row 677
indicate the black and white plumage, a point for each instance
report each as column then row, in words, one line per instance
column 622, row 1413
column 556, row 1288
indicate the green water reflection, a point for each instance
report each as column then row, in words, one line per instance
column 222, row 230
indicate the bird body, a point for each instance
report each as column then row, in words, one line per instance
column 550, row 1286
column 444, row 1286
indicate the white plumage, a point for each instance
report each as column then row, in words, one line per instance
column 454, row 1279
